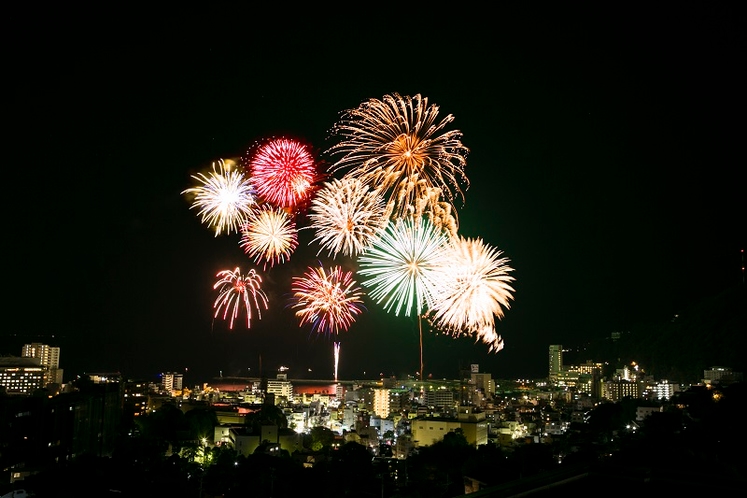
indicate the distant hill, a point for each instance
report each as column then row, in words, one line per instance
column 711, row 333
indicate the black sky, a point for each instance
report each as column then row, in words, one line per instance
column 606, row 161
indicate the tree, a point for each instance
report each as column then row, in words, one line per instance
column 202, row 422
column 437, row 470
column 488, row 464
column 266, row 415
column 319, row 437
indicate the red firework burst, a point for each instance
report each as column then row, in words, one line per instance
column 283, row 170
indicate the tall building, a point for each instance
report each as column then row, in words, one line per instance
column 556, row 362
column 49, row 356
column 381, row 402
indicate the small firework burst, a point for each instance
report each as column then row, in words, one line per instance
column 346, row 216
column 225, row 197
column 283, row 171
column 269, row 236
column 327, row 299
column 238, row 293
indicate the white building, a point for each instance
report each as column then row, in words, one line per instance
column 21, row 375
column 49, row 357
column 665, row 389
column 281, row 389
column 381, row 402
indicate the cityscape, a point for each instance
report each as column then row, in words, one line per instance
column 577, row 424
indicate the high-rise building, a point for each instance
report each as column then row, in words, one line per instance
column 556, row 362
column 49, row 356
column 381, row 402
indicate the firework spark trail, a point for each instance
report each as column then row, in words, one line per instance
column 401, row 265
column 283, row 171
column 346, row 216
column 225, row 197
column 337, row 358
column 398, row 146
column 473, row 288
column 237, row 292
column 327, row 299
column 269, row 236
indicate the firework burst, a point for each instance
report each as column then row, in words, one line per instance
column 283, row 171
column 269, row 236
column 225, row 197
column 401, row 265
column 473, row 288
column 329, row 300
column 346, row 216
column 399, row 146
column 239, row 293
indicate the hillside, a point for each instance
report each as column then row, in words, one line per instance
column 711, row 333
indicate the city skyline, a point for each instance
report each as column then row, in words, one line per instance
column 602, row 163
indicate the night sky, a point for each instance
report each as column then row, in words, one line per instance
column 606, row 162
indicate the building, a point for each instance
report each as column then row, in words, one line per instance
column 665, row 390
column 381, row 402
column 429, row 430
column 484, row 383
column 49, row 357
column 583, row 378
column 555, row 364
column 616, row 390
column 172, row 383
column 245, row 442
column 21, row 375
column 400, row 400
column 42, row 430
column 280, row 389
column 721, row 375
column 440, row 398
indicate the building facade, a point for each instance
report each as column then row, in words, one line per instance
column 555, row 363
column 429, row 430
column 49, row 357
column 280, row 389
column 172, row 383
column 21, row 375
column 381, row 402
